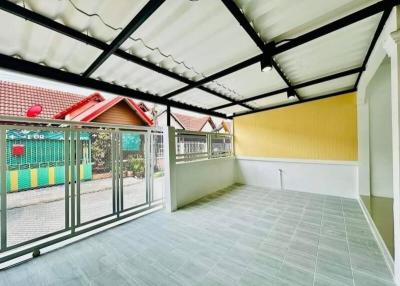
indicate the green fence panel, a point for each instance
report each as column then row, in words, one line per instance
column 59, row 175
column 24, row 179
column 87, row 171
column 43, row 177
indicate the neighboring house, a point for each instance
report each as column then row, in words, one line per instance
column 187, row 122
column 195, row 144
column 36, row 158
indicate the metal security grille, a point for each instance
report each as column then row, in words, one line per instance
column 191, row 145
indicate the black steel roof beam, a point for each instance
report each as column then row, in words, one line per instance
column 133, row 25
column 336, row 25
column 70, row 32
column 217, row 75
column 297, row 102
column 378, row 31
column 35, row 69
column 300, row 40
column 297, row 86
column 240, row 17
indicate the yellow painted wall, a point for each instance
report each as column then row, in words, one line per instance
column 322, row 130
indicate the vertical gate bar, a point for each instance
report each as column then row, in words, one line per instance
column 78, row 177
column 117, row 170
column 3, row 186
column 208, row 136
column 121, row 182
column 152, row 163
column 147, row 165
column 67, row 137
column 73, row 172
column 113, row 135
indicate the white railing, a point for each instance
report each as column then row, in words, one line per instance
column 192, row 145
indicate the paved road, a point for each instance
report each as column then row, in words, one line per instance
column 38, row 212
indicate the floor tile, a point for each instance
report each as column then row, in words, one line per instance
column 241, row 235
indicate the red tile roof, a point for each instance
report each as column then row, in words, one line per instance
column 191, row 122
column 15, row 99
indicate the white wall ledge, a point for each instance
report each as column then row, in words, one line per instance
column 204, row 160
column 297, row 161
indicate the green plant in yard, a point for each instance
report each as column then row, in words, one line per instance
column 137, row 166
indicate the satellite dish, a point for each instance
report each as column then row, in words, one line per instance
column 34, row 110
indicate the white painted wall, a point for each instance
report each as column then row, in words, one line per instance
column 336, row 178
column 197, row 179
column 380, row 133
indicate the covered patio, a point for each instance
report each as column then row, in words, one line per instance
column 290, row 175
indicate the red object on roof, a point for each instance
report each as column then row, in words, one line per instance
column 193, row 123
column 34, row 110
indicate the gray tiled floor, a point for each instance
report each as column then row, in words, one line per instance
column 238, row 236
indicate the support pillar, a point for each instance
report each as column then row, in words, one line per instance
column 170, row 157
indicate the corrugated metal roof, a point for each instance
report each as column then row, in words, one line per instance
column 200, row 98
column 203, row 34
column 272, row 100
column 122, row 72
column 278, row 20
column 234, row 109
column 251, row 81
column 196, row 39
column 336, row 85
column 335, row 52
column 37, row 44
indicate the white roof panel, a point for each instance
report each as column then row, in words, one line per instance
column 202, row 34
column 251, row 81
column 122, row 72
column 336, row 85
column 31, row 42
column 233, row 109
column 335, row 52
column 107, row 17
column 271, row 101
column 201, row 98
column 285, row 19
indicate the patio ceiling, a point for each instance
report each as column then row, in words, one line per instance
column 202, row 56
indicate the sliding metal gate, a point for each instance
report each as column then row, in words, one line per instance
column 125, row 177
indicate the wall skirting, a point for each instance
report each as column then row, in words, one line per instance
column 336, row 178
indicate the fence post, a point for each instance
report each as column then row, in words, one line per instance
column 3, row 186
column 170, row 165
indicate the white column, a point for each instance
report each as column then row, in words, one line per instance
column 393, row 49
column 169, row 169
